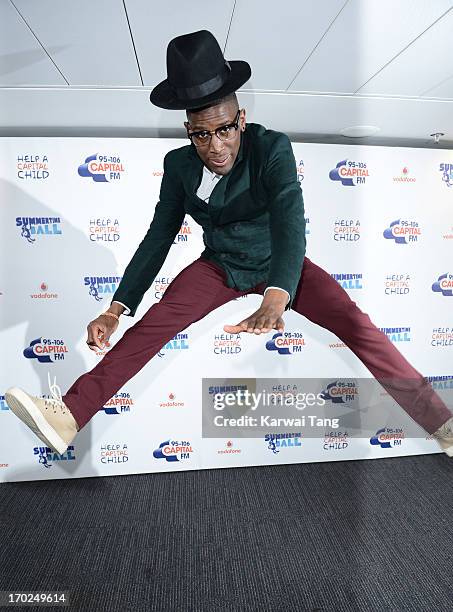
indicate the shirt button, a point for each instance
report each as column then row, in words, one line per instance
column 222, row 255
column 236, row 226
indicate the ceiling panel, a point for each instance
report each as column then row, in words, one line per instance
column 89, row 40
column 366, row 35
column 276, row 38
column 155, row 24
column 444, row 89
column 427, row 62
column 22, row 59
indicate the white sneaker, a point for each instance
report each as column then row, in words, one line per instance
column 444, row 435
column 49, row 418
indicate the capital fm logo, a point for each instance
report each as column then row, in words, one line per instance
column 120, row 403
column 173, row 451
column 184, row 232
column 350, row 173
column 98, row 286
column 388, row 437
column 32, row 227
column 340, row 392
column 286, row 343
column 447, row 174
column 102, row 168
column 403, row 231
column 46, row 350
column 444, row 284
column 34, row 167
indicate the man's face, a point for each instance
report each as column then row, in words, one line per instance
column 223, row 152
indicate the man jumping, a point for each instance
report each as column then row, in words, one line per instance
column 239, row 182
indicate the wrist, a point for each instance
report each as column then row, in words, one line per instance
column 275, row 296
column 116, row 309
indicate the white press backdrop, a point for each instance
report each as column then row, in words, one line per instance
column 68, row 233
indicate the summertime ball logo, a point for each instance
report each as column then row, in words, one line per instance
column 31, row 227
column 444, row 284
column 46, row 456
column 98, row 286
column 102, row 168
column 403, row 231
column 447, row 174
column 350, row 173
column 278, row 441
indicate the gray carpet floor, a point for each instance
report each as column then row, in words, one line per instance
column 340, row 536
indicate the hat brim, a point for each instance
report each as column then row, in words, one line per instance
column 164, row 96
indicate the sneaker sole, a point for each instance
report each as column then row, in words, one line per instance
column 25, row 409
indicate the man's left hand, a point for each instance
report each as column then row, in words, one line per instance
column 267, row 317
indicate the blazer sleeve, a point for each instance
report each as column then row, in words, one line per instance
column 286, row 217
column 153, row 249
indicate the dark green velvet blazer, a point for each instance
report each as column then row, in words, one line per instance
column 253, row 225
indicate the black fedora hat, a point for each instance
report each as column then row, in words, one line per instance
column 197, row 73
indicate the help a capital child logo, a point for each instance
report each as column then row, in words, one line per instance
column 160, row 286
column 102, row 168
column 447, row 174
column 104, row 229
column 350, row 173
column 46, row 456
column 98, row 286
column 32, row 167
column 346, row 230
column 403, row 231
column 397, row 284
column 173, row 451
column 227, row 344
column 340, row 392
column 46, row 350
column 388, row 437
column 286, row 343
column 444, row 284
column 300, row 171
column 42, row 227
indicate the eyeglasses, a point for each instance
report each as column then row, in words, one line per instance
column 225, row 132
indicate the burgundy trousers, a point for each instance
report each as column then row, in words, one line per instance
column 201, row 287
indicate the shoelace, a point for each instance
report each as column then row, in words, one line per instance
column 55, row 390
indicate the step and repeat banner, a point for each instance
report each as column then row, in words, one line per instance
column 73, row 211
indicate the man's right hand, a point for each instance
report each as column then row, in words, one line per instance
column 100, row 330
